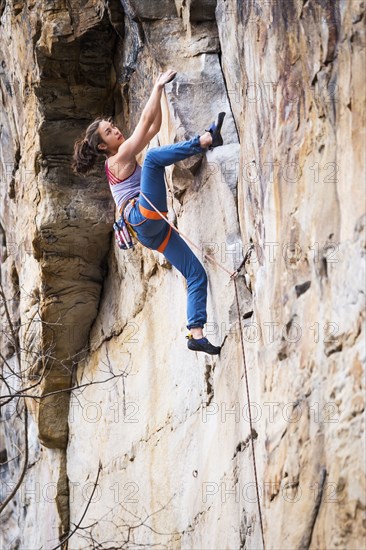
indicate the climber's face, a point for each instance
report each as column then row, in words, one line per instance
column 111, row 136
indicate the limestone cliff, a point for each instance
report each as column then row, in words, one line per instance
column 166, row 430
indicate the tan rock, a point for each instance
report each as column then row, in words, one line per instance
column 169, row 427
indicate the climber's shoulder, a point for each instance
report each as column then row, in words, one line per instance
column 121, row 167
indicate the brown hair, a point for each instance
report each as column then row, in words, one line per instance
column 86, row 149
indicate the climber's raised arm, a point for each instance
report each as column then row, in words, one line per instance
column 155, row 127
column 149, row 123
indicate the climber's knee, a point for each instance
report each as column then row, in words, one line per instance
column 202, row 275
column 152, row 156
column 199, row 276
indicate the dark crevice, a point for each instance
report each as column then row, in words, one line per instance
column 2, row 7
column 244, row 444
column 3, row 246
column 308, row 535
column 301, row 289
column 209, row 383
column 335, row 348
column 138, row 42
column 248, row 314
column 228, row 96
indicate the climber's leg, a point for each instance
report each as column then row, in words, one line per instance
column 154, row 230
column 153, row 170
column 178, row 253
column 181, row 256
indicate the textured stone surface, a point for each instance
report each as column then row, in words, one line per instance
column 170, row 428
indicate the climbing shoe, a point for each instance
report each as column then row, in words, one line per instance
column 202, row 344
column 215, row 131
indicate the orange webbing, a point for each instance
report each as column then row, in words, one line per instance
column 150, row 214
column 163, row 245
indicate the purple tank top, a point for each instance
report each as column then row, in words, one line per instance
column 123, row 190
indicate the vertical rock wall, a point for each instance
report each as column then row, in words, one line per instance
column 301, row 201
column 170, row 428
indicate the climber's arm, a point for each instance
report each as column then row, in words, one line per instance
column 155, row 126
column 149, row 123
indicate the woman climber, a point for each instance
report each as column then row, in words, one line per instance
column 127, row 178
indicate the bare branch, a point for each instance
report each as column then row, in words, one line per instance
column 25, row 465
column 11, row 325
column 62, row 390
column 85, row 511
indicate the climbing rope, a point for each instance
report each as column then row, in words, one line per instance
column 210, row 258
column 233, row 277
column 250, row 413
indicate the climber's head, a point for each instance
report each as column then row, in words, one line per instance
column 101, row 138
column 111, row 137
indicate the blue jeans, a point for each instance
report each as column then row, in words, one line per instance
column 152, row 232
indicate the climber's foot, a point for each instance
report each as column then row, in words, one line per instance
column 215, row 131
column 202, row 344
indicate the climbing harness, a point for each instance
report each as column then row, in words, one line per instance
column 124, row 230
column 122, row 234
column 233, row 277
column 151, row 215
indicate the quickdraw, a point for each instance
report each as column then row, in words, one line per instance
column 123, row 232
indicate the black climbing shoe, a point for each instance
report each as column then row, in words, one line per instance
column 215, row 129
column 202, row 344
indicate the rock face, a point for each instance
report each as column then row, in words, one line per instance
column 167, row 431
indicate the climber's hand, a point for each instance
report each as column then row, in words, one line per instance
column 164, row 78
